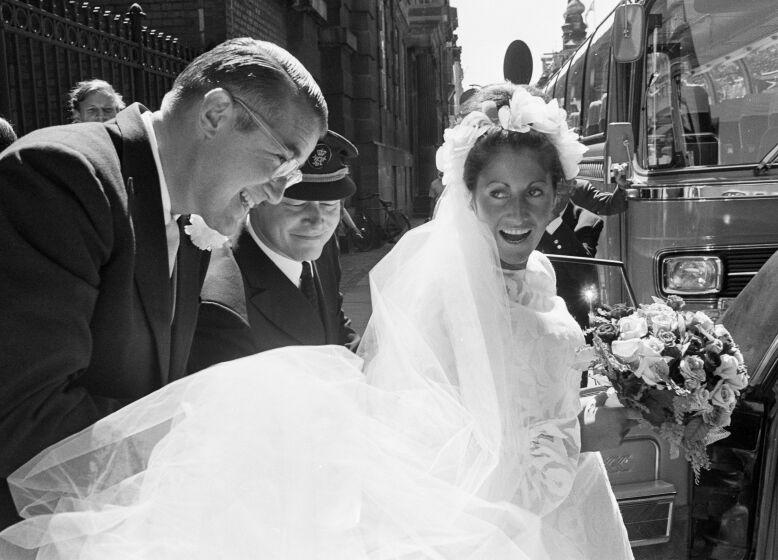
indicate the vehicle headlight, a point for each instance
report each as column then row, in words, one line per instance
column 691, row 274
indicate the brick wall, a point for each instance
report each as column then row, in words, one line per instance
column 261, row 19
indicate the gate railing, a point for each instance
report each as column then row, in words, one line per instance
column 46, row 46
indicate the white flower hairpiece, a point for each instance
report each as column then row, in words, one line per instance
column 203, row 237
column 524, row 112
column 457, row 141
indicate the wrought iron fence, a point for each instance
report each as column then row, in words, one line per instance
column 46, row 46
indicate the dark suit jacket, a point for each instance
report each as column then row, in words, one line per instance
column 602, row 203
column 249, row 306
column 85, row 325
column 577, row 236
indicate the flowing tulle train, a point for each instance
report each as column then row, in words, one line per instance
column 277, row 455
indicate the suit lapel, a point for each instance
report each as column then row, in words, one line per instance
column 151, row 264
column 271, row 293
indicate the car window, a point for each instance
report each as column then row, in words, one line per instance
column 596, row 83
column 574, row 90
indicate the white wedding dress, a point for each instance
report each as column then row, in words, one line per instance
column 453, row 435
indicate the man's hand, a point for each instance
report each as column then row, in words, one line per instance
column 604, row 427
column 620, row 171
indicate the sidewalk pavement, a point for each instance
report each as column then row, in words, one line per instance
column 355, row 283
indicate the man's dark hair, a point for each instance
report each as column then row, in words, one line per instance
column 262, row 74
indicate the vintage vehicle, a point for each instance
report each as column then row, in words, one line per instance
column 686, row 91
column 731, row 513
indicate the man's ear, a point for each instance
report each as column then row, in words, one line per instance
column 217, row 110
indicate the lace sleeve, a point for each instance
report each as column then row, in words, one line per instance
column 555, row 440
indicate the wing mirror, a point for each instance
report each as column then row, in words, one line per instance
column 619, row 151
column 628, row 32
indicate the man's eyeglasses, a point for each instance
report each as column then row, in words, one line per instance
column 289, row 169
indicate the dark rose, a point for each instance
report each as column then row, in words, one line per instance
column 607, row 332
column 675, row 303
column 714, row 346
column 675, row 372
column 672, row 351
column 695, row 345
column 712, row 360
column 620, row 310
column 667, row 337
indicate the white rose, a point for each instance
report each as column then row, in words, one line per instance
column 727, row 368
column 654, row 344
column 650, row 370
column 723, row 395
column 660, row 316
column 630, row 350
column 626, row 350
column 632, row 326
column 703, row 320
column 692, row 368
column 738, row 382
column 722, row 333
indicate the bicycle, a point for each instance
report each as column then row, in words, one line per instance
column 395, row 223
column 364, row 234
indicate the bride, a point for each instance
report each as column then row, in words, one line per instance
column 453, row 435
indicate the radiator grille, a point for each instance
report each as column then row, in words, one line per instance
column 647, row 521
column 740, row 265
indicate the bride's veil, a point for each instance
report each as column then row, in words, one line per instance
column 441, row 331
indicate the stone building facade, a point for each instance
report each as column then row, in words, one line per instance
column 386, row 68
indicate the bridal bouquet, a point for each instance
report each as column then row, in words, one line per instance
column 680, row 370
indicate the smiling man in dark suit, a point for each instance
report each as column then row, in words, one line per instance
column 280, row 284
column 99, row 281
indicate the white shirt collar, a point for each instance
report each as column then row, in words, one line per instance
column 163, row 190
column 292, row 269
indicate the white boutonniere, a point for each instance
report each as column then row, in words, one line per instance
column 203, row 237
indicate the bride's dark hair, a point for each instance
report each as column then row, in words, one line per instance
column 492, row 98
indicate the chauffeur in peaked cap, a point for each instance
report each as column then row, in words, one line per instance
column 279, row 286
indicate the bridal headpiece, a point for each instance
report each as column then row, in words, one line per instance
column 524, row 112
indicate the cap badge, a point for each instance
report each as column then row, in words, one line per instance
column 321, row 156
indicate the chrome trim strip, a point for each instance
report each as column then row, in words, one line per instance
column 741, row 273
column 704, row 192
